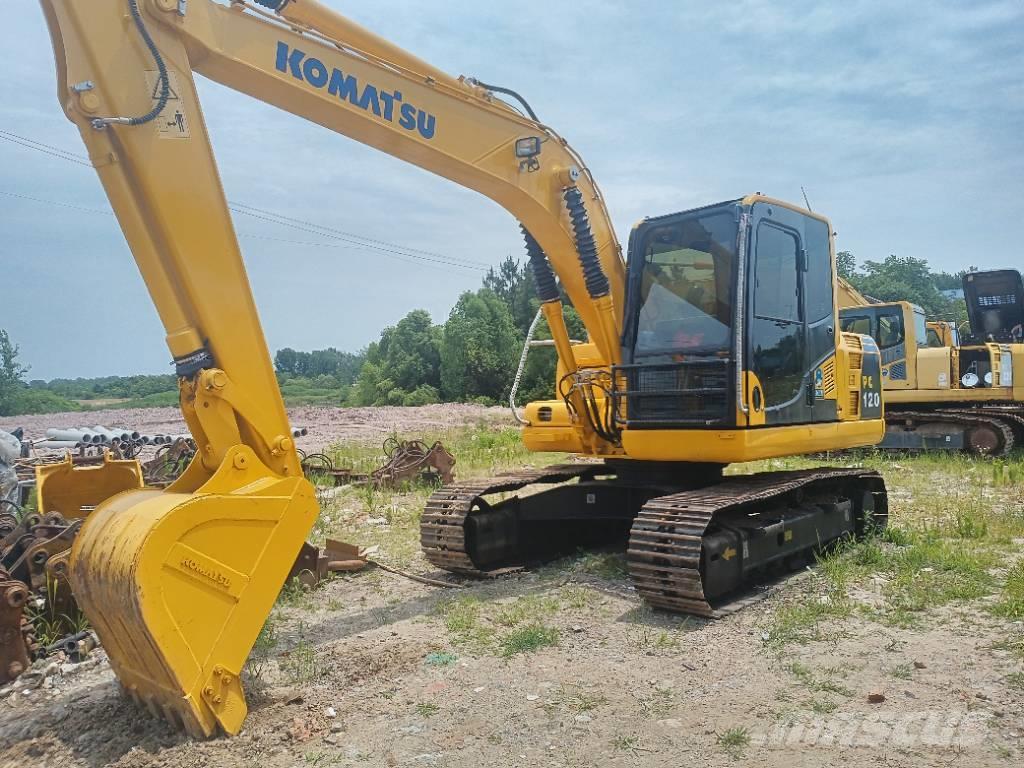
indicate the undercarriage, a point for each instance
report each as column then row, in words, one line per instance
column 696, row 541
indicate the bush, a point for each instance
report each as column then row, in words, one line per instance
column 425, row 395
column 33, row 401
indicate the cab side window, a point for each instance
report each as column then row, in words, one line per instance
column 860, row 324
column 890, row 330
column 818, row 280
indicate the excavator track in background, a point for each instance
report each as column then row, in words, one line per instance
column 988, row 431
column 700, row 551
column 692, row 551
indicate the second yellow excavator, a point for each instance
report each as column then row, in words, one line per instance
column 943, row 390
column 716, row 342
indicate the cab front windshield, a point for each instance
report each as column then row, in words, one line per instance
column 686, row 285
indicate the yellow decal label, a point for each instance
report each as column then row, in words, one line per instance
column 172, row 122
column 207, row 570
column 787, row 536
column 729, row 553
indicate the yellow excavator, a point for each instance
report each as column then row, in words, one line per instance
column 718, row 342
column 945, row 390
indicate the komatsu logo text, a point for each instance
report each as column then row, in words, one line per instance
column 387, row 105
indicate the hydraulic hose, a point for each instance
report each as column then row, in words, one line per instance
column 596, row 280
column 543, row 276
column 162, row 80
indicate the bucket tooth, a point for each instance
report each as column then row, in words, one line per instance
column 178, row 585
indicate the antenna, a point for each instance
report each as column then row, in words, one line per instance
column 806, row 201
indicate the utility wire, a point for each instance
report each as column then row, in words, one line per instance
column 342, row 233
column 382, row 246
column 406, row 258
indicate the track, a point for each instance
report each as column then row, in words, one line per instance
column 985, row 431
column 443, row 525
column 669, row 545
column 692, row 551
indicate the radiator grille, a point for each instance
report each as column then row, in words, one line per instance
column 829, row 377
column 855, row 403
column 673, row 394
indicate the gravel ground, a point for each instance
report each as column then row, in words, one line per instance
column 326, row 425
column 561, row 667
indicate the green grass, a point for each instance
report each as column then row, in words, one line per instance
column 815, row 682
column 300, row 665
column 950, row 541
column 531, row 608
column 528, row 639
column 426, row 709
column 734, row 742
column 261, row 652
column 626, row 743
column 1011, row 601
column 1016, row 680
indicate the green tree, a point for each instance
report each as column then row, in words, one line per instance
column 903, row 278
column 846, row 265
column 513, row 284
column 479, row 348
column 12, row 374
column 285, row 361
column 413, row 355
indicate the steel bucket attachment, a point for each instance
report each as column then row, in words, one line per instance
column 75, row 491
column 178, row 585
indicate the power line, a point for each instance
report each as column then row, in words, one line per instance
column 382, row 246
column 406, row 258
column 73, row 207
column 47, row 149
column 342, row 233
column 315, row 230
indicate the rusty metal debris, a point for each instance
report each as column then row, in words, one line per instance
column 169, row 463
column 313, row 564
column 406, row 461
column 14, row 658
column 34, row 554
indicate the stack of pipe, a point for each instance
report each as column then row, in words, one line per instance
column 85, row 437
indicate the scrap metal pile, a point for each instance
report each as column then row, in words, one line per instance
column 406, row 461
column 38, row 613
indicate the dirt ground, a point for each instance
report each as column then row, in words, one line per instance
column 325, row 425
column 564, row 666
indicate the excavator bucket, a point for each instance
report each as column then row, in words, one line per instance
column 178, row 585
column 75, row 491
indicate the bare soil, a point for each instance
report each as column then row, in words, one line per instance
column 325, row 425
column 375, row 670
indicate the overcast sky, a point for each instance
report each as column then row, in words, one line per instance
column 903, row 121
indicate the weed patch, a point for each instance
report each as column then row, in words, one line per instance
column 528, row 639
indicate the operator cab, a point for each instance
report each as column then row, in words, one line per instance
column 887, row 324
column 995, row 306
column 752, row 276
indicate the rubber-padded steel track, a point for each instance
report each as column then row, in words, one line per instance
column 442, row 527
column 667, row 537
column 999, row 423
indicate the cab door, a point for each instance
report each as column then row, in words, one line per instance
column 791, row 318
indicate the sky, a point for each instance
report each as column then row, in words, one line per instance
column 903, row 121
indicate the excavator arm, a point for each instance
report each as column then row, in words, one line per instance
column 178, row 583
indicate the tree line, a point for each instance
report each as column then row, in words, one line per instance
column 904, row 278
column 471, row 357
